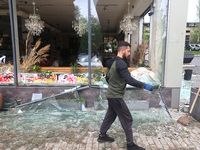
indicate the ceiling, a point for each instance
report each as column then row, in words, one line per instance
column 59, row 14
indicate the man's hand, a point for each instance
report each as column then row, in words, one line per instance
column 148, row 87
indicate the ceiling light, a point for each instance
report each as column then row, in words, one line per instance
column 80, row 24
column 108, row 45
column 34, row 24
column 126, row 24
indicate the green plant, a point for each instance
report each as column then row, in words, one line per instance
column 82, row 100
column 195, row 52
column 48, row 71
column 97, row 74
column 146, row 35
column 142, row 65
column 36, row 69
column 75, row 67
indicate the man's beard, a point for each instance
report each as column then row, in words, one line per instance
column 124, row 57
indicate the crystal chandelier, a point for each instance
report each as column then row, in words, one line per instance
column 126, row 25
column 80, row 26
column 34, row 24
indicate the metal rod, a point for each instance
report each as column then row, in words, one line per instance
column 89, row 41
column 165, row 105
column 14, row 36
column 46, row 98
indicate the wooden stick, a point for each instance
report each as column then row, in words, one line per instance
column 194, row 101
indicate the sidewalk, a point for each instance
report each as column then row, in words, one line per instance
column 63, row 133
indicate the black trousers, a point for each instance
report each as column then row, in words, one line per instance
column 117, row 107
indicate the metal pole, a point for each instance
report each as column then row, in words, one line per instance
column 15, row 39
column 89, row 42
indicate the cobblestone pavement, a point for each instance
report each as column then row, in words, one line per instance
column 190, row 141
column 165, row 137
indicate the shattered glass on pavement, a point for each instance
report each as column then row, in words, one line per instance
column 51, row 121
column 30, row 125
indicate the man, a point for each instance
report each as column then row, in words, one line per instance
column 117, row 77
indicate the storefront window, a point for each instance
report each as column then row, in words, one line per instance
column 6, row 52
column 53, row 40
column 56, row 51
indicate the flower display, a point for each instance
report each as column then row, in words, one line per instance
column 47, row 78
column 71, row 78
column 6, row 77
column 82, row 80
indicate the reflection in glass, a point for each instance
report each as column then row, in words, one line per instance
column 34, row 24
column 6, row 54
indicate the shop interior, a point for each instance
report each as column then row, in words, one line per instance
column 64, row 25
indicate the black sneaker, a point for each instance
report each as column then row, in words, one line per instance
column 134, row 147
column 105, row 138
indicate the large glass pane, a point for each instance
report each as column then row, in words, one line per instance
column 49, row 54
column 105, row 35
column 6, row 53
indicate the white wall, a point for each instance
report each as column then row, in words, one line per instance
column 177, row 18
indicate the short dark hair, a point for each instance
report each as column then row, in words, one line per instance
column 122, row 44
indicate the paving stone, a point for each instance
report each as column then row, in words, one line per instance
column 88, row 146
column 63, row 145
column 168, row 140
column 148, row 148
column 22, row 148
column 90, row 139
column 95, row 143
column 56, row 146
column 70, row 146
column 50, row 146
column 150, row 140
column 166, row 147
column 158, row 143
column 184, row 145
column 153, row 147
column 162, row 141
column 76, row 147
column 177, row 144
column 114, row 146
column 187, row 142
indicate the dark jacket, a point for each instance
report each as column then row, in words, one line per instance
column 118, row 76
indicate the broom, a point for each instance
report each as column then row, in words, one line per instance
column 185, row 120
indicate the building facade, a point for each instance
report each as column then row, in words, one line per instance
column 93, row 28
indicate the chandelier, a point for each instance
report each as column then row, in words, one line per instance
column 34, row 24
column 80, row 24
column 126, row 25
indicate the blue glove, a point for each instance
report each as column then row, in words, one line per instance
column 148, row 87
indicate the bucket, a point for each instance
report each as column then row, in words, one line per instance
column 187, row 74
